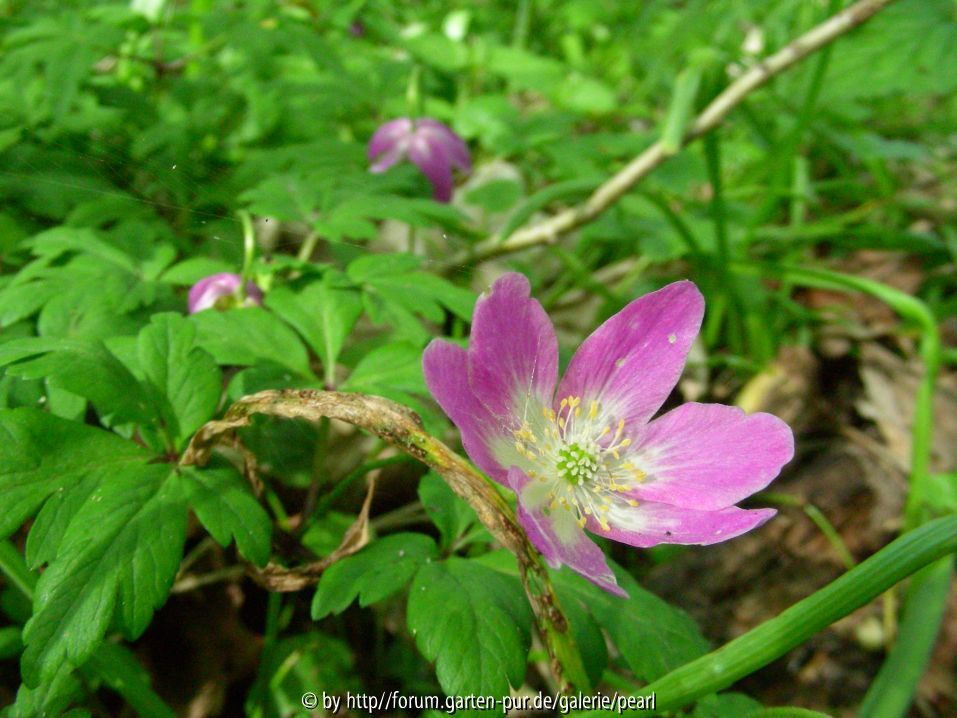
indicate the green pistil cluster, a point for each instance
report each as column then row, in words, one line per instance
column 576, row 465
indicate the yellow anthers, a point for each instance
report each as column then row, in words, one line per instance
column 621, row 428
column 581, row 458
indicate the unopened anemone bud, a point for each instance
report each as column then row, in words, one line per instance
column 429, row 144
column 221, row 291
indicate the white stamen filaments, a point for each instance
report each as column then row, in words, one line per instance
column 579, row 454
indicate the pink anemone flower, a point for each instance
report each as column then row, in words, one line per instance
column 221, row 291
column 589, row 455
column 428, row 144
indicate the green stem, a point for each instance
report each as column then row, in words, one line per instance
column 817, row 516
column 772, row 639
column 523, row 16
column 15, row 569
column 891, row 692
column 249, row 250
column 915, row 310
column 413, row 92
column 712, row 153
column 308, row 246
column 341, row 486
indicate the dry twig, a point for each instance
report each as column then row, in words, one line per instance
column 403, row 429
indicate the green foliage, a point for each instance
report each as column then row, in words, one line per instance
column 451, row 515
column 473, row 623
column 632, row 624
column 376, row 572
column 636, row 623
column 133, row 135
column 223, row 502
column 116, row 562
column 185, row 380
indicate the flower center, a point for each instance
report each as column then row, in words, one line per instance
column 576, row 465
column 580, row 456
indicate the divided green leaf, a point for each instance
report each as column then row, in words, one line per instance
column 474, row 623
column 116, row 563
column 376, row 572
column 186, row 381
column 43, row 455
column 224, row 504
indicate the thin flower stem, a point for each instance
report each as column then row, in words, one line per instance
column 817, row 517
column 550, row 230
column 827, row 528
column 341, row 486
column 320, row 475
column 191, row 583
column 408, row 515
column 249, row 251
column 308, row 246
column 402, row 428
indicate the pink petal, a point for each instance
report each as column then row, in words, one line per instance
column 650, row 524
column 558, row 536
column 632, row 362
column 456, row 149
column 709, row 456
column 433, row 159
column 513, row 353
column 445, row 366
column 388, row 158
column 254, row 295
column 388, row 136
column 205, row 293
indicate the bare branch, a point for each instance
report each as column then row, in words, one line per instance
column 403, row 429
column 550, row 230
